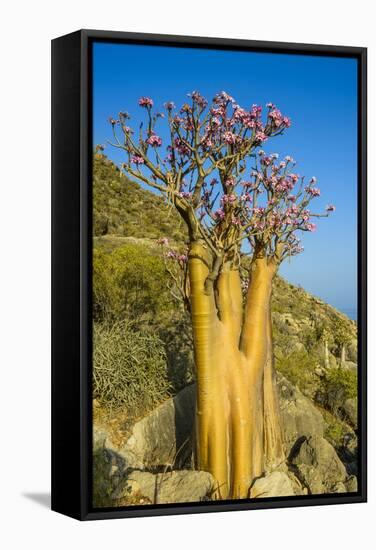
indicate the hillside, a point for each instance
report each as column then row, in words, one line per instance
column 122, row 207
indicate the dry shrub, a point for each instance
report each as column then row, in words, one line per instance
column 130, row 369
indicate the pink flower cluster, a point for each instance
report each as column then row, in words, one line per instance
column 136, row 159
column 228, row 199
column 313, row 191
column 154, row 141
column 230, row 138
column 278, row 119
column 172, row 255
column 169, row 105
column 219, row 214
column 146, row 102
column 163, row 241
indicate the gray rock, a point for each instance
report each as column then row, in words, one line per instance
column 351, row 366
column 163, row 437
column 352, row 484
column 350, row 411
column 318, row 466
column 300, row 418
column 352, row 351
column 275, row 484
column 339, row 488
column 170, row 487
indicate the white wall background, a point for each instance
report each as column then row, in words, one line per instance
column 26, row 29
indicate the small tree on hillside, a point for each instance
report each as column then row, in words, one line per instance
column 234, row 199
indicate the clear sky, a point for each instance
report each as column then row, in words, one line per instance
column 318, row 93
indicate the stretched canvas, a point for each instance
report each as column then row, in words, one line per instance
column 225, row 364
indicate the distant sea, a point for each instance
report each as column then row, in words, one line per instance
column 351, row 312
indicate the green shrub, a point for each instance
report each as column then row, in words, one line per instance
column 298, row 367
column 129, row 282
column 336, row 386
column 335, row 430
column 130, row 369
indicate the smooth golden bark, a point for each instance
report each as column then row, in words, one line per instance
column 237, row 418
column 273, row 440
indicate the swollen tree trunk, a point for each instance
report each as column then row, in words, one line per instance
column 238, row 432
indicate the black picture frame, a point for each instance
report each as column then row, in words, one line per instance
column 71, row 272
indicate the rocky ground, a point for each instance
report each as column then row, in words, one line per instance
column 151, row 461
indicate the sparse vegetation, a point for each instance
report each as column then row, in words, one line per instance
column 130, row 369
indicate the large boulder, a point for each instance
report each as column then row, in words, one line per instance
column 300, row 418
column 163, row 437
column 318, row 466
column 275, row 484
column 350, row 411
column 168, row 487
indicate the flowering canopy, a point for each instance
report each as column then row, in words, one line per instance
column 212, row 169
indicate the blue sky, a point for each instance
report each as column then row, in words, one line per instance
column 318, row 93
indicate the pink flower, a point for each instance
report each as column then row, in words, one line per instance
column 183, row 258
column 313, row 191
column 199, row 99
column 146, row 102
column 136, row 159
column 276, row 116
column 222, row 97
column 218, row 111
column 215, row 121
column 154, row 141
column 181, row 147
column 266, row 161
column 219, row 214
column 310, row 226
column 230, row 138
column 185, row 195
column 163, row 241
column 228, row 199
column 248, row 184
column 245, row 197
column 261, row 137
column 235, row 221
column 169, row 105
column 230, row 182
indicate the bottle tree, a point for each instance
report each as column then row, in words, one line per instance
column 235, row 200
